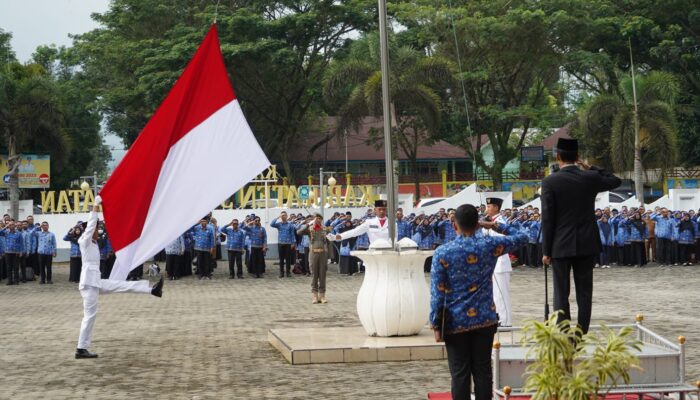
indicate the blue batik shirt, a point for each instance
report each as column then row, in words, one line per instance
column 105, row 248
column 425, row 237
column 686, row 236
column 461, row 280
column 2, row 245
column 30, row 242
column 448, row 231
column 46, row 243
column 74, row 246
column 664, row 226
column 257, row 235
column 14, row 241
column 403, row 229
column 287, row 231
column 362, row 242
column 533, row 231
column 235, row 239
column 176, row 247
column 204, row 239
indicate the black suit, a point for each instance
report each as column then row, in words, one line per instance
column 570, row 233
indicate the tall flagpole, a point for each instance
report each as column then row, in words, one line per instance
column 386, row 105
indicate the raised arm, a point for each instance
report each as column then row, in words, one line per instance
column 91, row 226
column 355, row 232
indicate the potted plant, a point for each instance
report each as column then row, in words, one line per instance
column 569, row 365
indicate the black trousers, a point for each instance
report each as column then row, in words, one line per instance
column 12, row 268
column 203, row 263
column 583, row 279
column 76, row 263
column 469, row 356
column 187, row 263
column 33, row 262
column 45, row 261
column 257, row 261
column 638, row 253
column 173, row 265
column 23, row 268
column 534, row 254
column 235, row 259
column 286, row 258
column 3, row 267
column 305, row 261
column 685, row 251
column 663, row 251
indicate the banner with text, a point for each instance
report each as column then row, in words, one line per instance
column 34, row 171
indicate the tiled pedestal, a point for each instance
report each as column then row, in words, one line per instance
column 343, row 345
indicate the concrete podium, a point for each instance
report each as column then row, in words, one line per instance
column 394, row 299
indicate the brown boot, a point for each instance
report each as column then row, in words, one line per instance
column 315, row 299
column 322, row 298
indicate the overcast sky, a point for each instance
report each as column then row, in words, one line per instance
column 36, row 22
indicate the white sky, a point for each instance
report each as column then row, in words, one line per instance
column 36, row 22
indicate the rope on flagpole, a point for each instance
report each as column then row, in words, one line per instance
column 216, row 10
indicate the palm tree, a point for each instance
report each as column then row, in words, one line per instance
column 30, row 111
column 418, row 84
column 607, row 123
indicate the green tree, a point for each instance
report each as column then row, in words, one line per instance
column 418, row 84
column 276, row 52
column 606, row 124
column 510, row 58
column 81, row 119
column 30, row 111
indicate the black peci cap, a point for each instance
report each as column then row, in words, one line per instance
column 495, row 201
column 380, row 203
column 570, row 145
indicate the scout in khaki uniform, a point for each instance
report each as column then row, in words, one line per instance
column 318, row 257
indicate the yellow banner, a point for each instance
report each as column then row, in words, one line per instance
column 34, row 171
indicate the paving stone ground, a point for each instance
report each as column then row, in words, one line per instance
column 208, row 339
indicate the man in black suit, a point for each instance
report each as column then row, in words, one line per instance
column 570, row 238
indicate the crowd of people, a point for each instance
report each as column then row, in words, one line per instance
column 629, row 237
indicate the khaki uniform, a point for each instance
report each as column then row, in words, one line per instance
column 318, row 257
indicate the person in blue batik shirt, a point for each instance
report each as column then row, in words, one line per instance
column 46, row 249
column 607, row 240
column 403, row 227
column 76, row 263
column 14, row 247
column 686, row 239
column 462, row 311
column 258, row 245
column 663, row 231
column 637, row 234
column 286, row 242
column 174, row 257
column 235, row 244
column 205, row 247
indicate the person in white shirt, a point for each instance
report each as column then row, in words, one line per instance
column 91, row 285
column 501, row 275
column 375, row 228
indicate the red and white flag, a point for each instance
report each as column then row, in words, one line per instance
column 195, row 151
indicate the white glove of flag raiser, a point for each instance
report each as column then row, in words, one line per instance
column 330, row 237
column 98, row 200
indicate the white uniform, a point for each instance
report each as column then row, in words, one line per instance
column 375, row 228
column 501, row 281
column 91, row 285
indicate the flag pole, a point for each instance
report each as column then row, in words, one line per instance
column 386, row 105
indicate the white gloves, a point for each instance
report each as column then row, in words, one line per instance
column 98, row 200
column 330, row 237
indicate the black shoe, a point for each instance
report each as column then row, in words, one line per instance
column 240, row 276
column 83, row 353
column 158, row 288
column 289, row 274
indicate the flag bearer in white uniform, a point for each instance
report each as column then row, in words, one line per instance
column 375, row 228
column 501, row 275
column 91, row 285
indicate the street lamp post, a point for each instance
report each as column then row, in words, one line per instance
column 321, row 194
